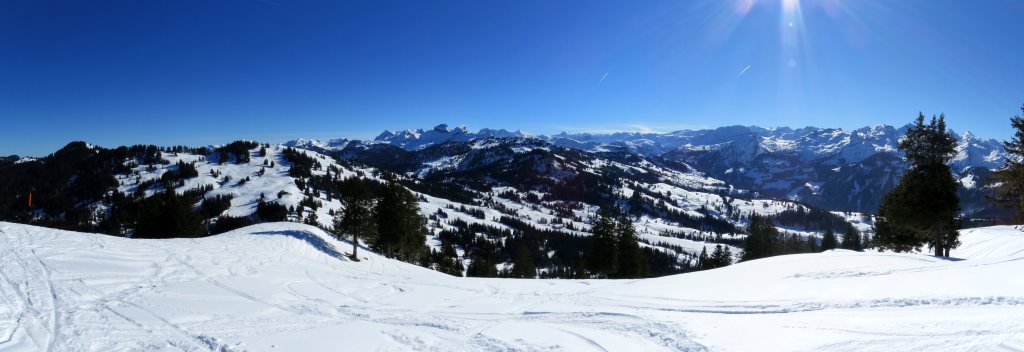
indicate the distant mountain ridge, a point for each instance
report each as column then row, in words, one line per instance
column 828, row 167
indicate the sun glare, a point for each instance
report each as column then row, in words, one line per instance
column 790, row 5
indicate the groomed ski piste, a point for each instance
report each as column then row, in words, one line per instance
column 291, row 287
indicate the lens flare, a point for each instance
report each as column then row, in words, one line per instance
column 790, row 5
column 743, row 6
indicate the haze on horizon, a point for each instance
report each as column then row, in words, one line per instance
column 197, row 72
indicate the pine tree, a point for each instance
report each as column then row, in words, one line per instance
column 851, row 239
column 482, row 266
column 720, row 257
column 168, row 215
column 923, row 207
column 523, row 266
column 703, row 261
column 312, row 219
column 632, row 263
column 793, row 244
column 603, row 257
column 400, row 227
column 828, row 240
column 763, row 239
column 1008, row 182
column 446, row 260
column 356, row 219
column 812, row 245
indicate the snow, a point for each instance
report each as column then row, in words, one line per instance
column 290, row 287
column 245, row 194
column 990, row 242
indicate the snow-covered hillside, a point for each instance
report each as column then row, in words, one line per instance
column 848, row 170
column 266, row 176
column 289, row 287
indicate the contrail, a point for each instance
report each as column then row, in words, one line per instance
column 744, row 70
column 603, row 77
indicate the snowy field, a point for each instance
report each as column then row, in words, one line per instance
column 289, row 287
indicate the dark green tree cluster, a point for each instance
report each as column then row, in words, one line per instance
column 852, row 239
column 225, row 223
column 271, row 211
column 829, row 241
column 523, row 267
column 401, row 230
column 212, row 207
column 1008, row 182
column 923, row 208
column 175, row 176
column 237, row 151
column 302, row 165
column 446, row 260
column 487, row 247
column 614, row 249
column 721, row 257
column 764, row 240
column 811, row 219
column 390, row 222
column 168, row 214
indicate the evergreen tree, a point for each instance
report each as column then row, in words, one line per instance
column 168, row 214
column 447, row 260
column 271, row 211
column 1008, row 182
column 793, row 244
column 483, row 265
column 312, row 219
column 603, row 259
column 523, row 266
column 762, row 239
column 851, row 239
column 401, row 230
column 356, row 219
column 890, row 236
column 703, row 262
column 720, row 257
column 923, row 207
column 812, row 245
column 632, row 263
column 828, row 240
column 449, row 252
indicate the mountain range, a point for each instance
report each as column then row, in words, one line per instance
column 493, row 196
column 826, row 167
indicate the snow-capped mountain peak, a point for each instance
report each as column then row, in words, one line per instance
column 847, row 169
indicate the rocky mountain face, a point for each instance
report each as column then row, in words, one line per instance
column 825, row 167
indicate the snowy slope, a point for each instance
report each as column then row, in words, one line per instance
column 990, row 242
column 274, row 180
column 289, row 287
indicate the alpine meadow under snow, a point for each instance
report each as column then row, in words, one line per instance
column 291, row 287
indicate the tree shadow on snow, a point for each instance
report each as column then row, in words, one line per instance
column 319, row 243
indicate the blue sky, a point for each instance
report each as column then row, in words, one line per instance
column 203, row 72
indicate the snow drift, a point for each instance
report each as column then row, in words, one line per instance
column 290, row 287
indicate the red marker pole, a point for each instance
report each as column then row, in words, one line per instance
column 29, row 199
